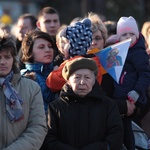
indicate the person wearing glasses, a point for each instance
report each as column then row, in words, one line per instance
column 99, row 37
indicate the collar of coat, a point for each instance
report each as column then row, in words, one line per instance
column 68, row 95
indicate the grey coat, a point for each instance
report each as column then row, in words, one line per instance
column 28, row 133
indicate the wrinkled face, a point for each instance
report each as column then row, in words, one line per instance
column 6, row 63
column 23, row 26
column 49, row 23
column 42, row 51
column 82, row 81
column 97, row 40
column 127, row 36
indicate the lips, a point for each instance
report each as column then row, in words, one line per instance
column 3, row 68
column 53, row 31
column 48, row 56
column 81, row 89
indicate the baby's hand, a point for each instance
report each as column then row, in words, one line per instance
column 130, row 107
column 55, row 68
column 31, row 75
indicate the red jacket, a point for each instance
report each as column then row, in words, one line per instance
column 55, row 80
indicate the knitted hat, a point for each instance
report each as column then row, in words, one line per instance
column 80, row 37
column 125, row 25
column 79, row 63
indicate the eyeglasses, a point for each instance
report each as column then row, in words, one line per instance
column 97, row 38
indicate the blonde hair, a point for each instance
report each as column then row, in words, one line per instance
column 59, row 31
column 145, row 28
column 144, row 31
column 97, row 24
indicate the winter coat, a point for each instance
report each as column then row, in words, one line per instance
column 89, row 123
column 28, row 133
column 39, row 73
column 135, row 74
column 55, row 81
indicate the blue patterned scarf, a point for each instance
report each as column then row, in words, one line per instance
column 13, row 100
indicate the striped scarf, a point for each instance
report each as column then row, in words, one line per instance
column 13, row 100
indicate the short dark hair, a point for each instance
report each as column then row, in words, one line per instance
column 8, row 44
column 47, row 10
column 28, row 41
column 31, row 17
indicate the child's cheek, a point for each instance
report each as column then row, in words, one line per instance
column 66, row 50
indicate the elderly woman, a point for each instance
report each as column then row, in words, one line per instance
column 22, row 116
column 83, row 117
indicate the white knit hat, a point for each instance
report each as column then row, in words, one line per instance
column 125, row 25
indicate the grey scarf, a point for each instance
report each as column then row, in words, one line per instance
column 13, row 100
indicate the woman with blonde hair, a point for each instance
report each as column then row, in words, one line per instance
column 99, row 36
column 146, row 33
column 99, row 31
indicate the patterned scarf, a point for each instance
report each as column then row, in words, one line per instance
column 13, row 100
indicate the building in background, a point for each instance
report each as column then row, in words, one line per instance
column 69, row 9
column 15, row 8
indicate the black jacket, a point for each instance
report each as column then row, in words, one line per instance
column 135, row 74
column 89, row 123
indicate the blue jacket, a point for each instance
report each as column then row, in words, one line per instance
column 135, row 74
column 41, row 72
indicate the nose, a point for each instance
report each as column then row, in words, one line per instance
column 92, row 46
column 2, row 61
column 93, row 42
column 82, row 81
column 128, row 36
column 48, row 49
column 52, row 24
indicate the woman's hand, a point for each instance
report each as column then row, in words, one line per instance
column 130, row 107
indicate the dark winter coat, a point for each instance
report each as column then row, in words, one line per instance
column 89, row 123
column 135, row 74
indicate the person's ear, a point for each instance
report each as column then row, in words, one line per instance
column 68, row 82
column 38, row 24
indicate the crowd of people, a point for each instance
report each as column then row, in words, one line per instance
column 55, row 93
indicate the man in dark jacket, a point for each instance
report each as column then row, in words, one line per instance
column 83, row 117
column 25, row 23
